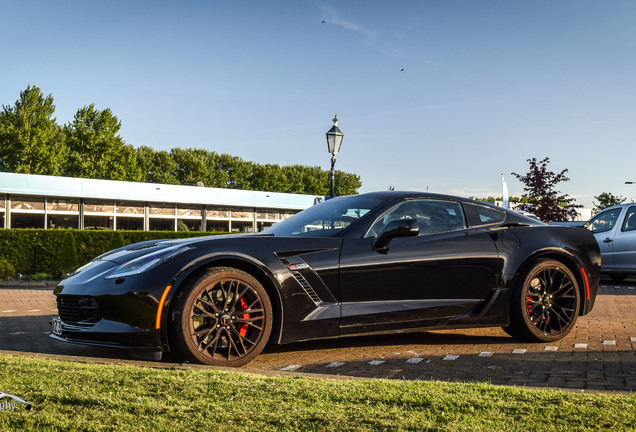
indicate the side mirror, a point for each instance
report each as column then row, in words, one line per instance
column 395, row 228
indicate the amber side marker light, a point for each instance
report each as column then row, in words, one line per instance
column 587, row 284
column 161, row 302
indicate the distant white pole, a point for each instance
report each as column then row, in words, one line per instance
column 506, row 197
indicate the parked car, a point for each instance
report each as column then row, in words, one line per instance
column 364, row 264
column 615, row 232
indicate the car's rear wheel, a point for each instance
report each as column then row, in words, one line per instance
column 222, row 318
column 545, row 305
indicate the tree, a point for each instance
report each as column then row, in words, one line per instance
column 543, row 199
column 237, row 170
column 31, row 142
column 346, row 183
column 606, row 199
column 267, row 177
column 191, row 164
column 156, row 166
column 96, row 150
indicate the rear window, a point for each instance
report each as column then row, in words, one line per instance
column 479, row 215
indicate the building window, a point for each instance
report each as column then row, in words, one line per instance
column 217, row 226
column 20, row 203
column 188, row 224
column 267, row 215
column 27, row 220
column 189, row 218
column 62, row 213
column 244, row 214
column 130, row 223
column 217, row 213
column 62, row 221
column 62, row 205
column 189, row 212
column 157, row 224
column 27, row 212
column 99, row 206
column 99, row 222
column 162, row 209
column 130, row 208
column 241, row 226
column 261, row 226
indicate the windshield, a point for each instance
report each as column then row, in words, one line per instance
column 326, row 219
column 604, row 221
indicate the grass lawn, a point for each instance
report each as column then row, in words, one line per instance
column 74, row 396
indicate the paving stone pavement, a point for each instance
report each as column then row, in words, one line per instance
column 599, row 354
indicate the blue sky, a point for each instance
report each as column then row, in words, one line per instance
column 485, row 86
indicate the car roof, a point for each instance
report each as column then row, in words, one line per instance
column 512, row 216
column 418, row 194
column 617, row 206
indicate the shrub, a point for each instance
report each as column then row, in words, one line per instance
column 116, row 241
column 32, row 251
column 67, row 261
column 6, row 269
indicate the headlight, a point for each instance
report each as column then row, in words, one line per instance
column 146, row 262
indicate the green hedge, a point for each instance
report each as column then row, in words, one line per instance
column 36, row 251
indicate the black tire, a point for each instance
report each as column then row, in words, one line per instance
column 222, row 318
column 546, row 304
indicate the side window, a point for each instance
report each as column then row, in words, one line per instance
column 630, row 220
column 603, row 221
column 479, row 215
column 433, row 216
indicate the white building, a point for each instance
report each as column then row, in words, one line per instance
column 37, row 201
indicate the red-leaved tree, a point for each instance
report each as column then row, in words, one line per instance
column 541, row 196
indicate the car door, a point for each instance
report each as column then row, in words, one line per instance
column 445, row 271
column 604, row 226
column 624, row 242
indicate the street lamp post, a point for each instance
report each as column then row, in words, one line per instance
column 334, row 141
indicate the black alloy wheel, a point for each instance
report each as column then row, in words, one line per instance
column 545, row 307
column 224, row 318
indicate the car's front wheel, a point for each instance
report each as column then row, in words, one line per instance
column 223, row 318
column 545, row 305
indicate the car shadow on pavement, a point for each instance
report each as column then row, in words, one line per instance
column 29, row 334
column 431, row 338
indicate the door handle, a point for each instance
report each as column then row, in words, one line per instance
column 607, row 240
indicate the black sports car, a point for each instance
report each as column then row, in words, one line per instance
column 372, row 263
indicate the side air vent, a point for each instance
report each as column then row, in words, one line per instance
column 295, row 271
column 308, row 289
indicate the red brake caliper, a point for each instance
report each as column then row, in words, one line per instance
column 243, row 328
column 529, row 304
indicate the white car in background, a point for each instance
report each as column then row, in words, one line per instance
column 615, row 232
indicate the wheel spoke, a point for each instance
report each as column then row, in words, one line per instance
column 232, row 344
column 209, row 303
column 227, row 293
column 566, row 285
column 210, row 342
column 241, row 339
column 564, row 314
column 238, row 297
